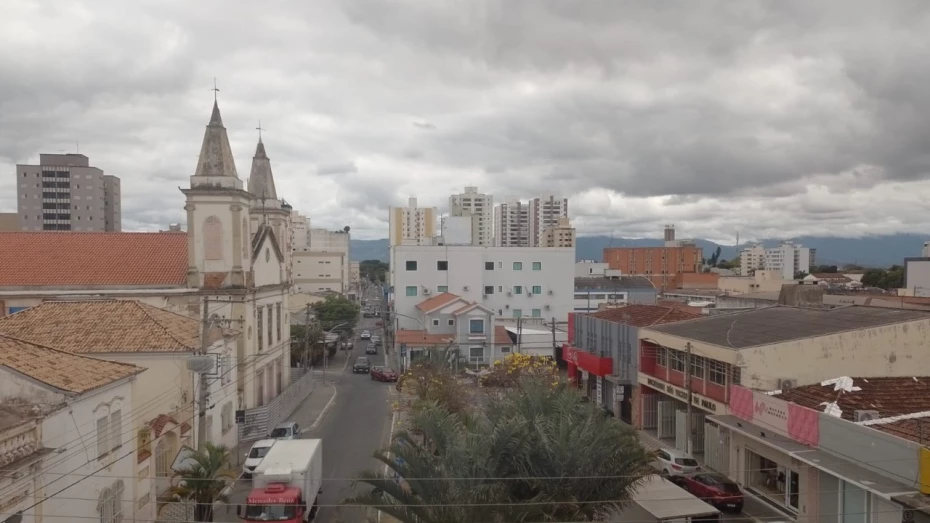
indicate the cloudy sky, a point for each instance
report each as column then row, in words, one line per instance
column 777, row 119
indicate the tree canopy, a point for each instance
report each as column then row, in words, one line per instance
column 891, row 278
column 335, row 310
column 374, row 270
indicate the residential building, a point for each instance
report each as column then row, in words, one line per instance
column 146, row 337
column 843, row 449
column 412, row 225
column 65, row 193
column 332, row 248
column 561, row 235
column 513, row 224
column 300, row 232
column 759, row 281
column 316, row 272
column 535, row 284
column 355, row 275
column 602, row 352
column 547, row 212
column 63, row 417
column 592, row 294
column 752, row 259
column 674, row 267
column 9, row 222
column 459, row 230
column 788, row 258
column 481, row 206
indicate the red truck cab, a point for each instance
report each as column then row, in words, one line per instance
column 277, row 502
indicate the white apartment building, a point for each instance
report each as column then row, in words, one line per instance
column 561, row 235
column 412, row 225
column 546, row 212
column 512, row 224
column 471, row 202
column 752, row 258
column 316, row 272
column 460, row 230
column 300, row 231
column 334, row 242
column 512, row 282
column 787, row 259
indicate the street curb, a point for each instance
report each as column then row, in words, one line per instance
column 329, row 404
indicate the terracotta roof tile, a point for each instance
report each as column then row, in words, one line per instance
column 501, row 336
column 105, row 326
column 644, row 315
column 143, row 455
column 159, row 423
column 36, row 259
column 185, row 428
column 419, row 338
column 437, row 301
column 67, row 372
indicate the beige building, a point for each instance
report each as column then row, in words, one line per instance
column 561, row 235
column 546, row 212
column 65, row 193
column 412, row 225
column 760, row 281
column 316, row 272
column 481, row 206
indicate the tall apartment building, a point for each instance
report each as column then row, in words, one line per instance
column 300, row 231
column 412, row 225
column 751, row 259
column 512, row 224
column 323, row 265
column 787, row 259
column 64, row 193
column 561, row 235
column 545, row 212
column 471, row 202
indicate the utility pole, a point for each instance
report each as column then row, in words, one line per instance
column 554, row 344
column 203, row 398
column 519, row 334
column 690, row 398
column 308, row 350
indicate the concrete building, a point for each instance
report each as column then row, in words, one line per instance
column 9, row 222
column 316, row 272
column 481, row 206
column 752, row 259
column 917, row 276
column 788, row 258
column 64, row 193
column 513, row 224
column 547, row 212
column 561, row 235
column 760, row 281
column 460, row 230
column 672, row 267
column 333, row 242
column 412, row 225
column 300, row 232
column 535, row 284
column 593, row 269
column 592, row 294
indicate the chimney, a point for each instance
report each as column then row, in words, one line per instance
column 808, row 296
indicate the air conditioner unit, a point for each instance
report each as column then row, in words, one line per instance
column 465, row 288
column 865, row 415
column 201, row 364
column 506, row 306
column 547, row 307
column 529, row 295
column 485, row 296
column 509, row 293
column 427, row 292
column 787, row 383
column 550, row 292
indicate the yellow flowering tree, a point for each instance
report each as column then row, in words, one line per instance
column 509, row 371
column 431, row 382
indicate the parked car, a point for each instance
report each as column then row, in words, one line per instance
column 376, row 339
column 365, row 335
column 361, row 365
column 675, row 462
column 371, row 348
column 384, row 374
column 715, row 489
column 286, row 430
column 255, row 456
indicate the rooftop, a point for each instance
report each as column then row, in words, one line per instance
column 69, row 373
column 86, row 259
column 501, row 336
column 421, row 337
column 777, row 324
column 839, row 300
column 644, row 315
column 106, row 326
column 437, row 301
column 623, row 282
column 693, row 292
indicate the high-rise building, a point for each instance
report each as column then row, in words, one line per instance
column 300, row 231
column 788, row 258
column 545, row 212
column 471, row 202
column 412, row 225
column 561, row 235
column 512, row 224
column 752, row 258
column 65, row 193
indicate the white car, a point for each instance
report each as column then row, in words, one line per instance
column 675, row 462
column 365, row 335
column 256, row 455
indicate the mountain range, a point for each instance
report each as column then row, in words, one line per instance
column 868, row 251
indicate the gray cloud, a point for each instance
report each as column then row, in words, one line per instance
column 772, row 118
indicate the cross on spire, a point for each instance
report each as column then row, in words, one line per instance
column 215, row 89
column 259, row 130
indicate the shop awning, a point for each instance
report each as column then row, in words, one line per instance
column 597, row 365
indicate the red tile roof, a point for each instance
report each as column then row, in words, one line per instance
column 61, row 259
column 501, row 337
column 420, row 338
column 437, row 301
column 159, row 423
column 645, row 315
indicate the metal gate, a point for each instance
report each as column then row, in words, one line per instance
column 650, row 403
column 717, row 448
column 697, row 431
column 666, row 427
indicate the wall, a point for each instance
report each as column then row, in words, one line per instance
column 267, row 266
column 617, row 340
column 467, row 277
column 319, row 271
column 893, row 350
column 747, row 284
column 917, row 276
column 14, row 385
column 654, row 260
column 898, row 460
column 164, row 387
column 221, row 420
column 465, row 340
column 697, row 280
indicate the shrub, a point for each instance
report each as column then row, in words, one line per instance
column 509, row 371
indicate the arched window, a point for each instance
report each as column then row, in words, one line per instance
column 117, row 501
column 212, row 238
column 105, row 506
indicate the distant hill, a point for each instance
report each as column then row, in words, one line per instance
column 870, row 251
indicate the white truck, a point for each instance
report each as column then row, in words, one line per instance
column 287, row 483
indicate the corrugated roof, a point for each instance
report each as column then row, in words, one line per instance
column 768, row 325
column 63, row 259
column 644, row 315
column 105, row 326
column 623, row 282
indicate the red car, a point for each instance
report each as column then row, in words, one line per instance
column 384, row 374
column 715, row 489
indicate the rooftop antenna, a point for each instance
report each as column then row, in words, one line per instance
column 215, row 89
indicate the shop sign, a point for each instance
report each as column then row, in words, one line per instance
column 682, row 394
column 618, row 392
column 770, row 413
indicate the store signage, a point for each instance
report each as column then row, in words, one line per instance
column 770, row 413
column 696, row 399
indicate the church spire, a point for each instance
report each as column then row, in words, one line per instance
column 216, row 158
column 261, row 180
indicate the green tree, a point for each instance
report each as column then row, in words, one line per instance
column 892, row 278
column 204, row 480
column 535, row 453
column 306, row 348
column 374, row 270
column 336, row 310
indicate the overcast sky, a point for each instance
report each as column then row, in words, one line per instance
column 777, row 119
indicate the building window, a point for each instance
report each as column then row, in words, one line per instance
column 103, row 437
column 442, row 265
column 518, row 266
column 537, row 266
column 435, row 322
column 411, row 265
column 716, row 372
column 476, row 354
column 537, row 289
column 697, row 367
column 116, row 429
column 270, row 326
column 259, row 322
column 443, row 288
column 676, row 360
column 451, row 322
column 661, row 357
column 518, row 289
column 278, row 324
column 411, row 290
column 476, row 326
column 518, row 313
column 537, row 313
column 489, row 289
column 489, row 266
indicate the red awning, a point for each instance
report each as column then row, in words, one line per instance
column 597, row 365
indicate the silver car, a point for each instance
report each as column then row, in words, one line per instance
column 286, row 430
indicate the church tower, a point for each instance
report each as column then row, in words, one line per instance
column 219, row 248
column 266, row 208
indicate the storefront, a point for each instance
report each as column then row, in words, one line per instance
column 663, row 408
column 589, row 372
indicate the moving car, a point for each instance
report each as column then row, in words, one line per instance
column 675, row 462
column 361, row 365
column 371, row 348
column 376, row 340
column 286, row 430
column 384, row 374
column 715, row 489
column 365, row 335
column 255, row 456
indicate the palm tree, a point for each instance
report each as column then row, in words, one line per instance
column 533, row 454
column 204, row 479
